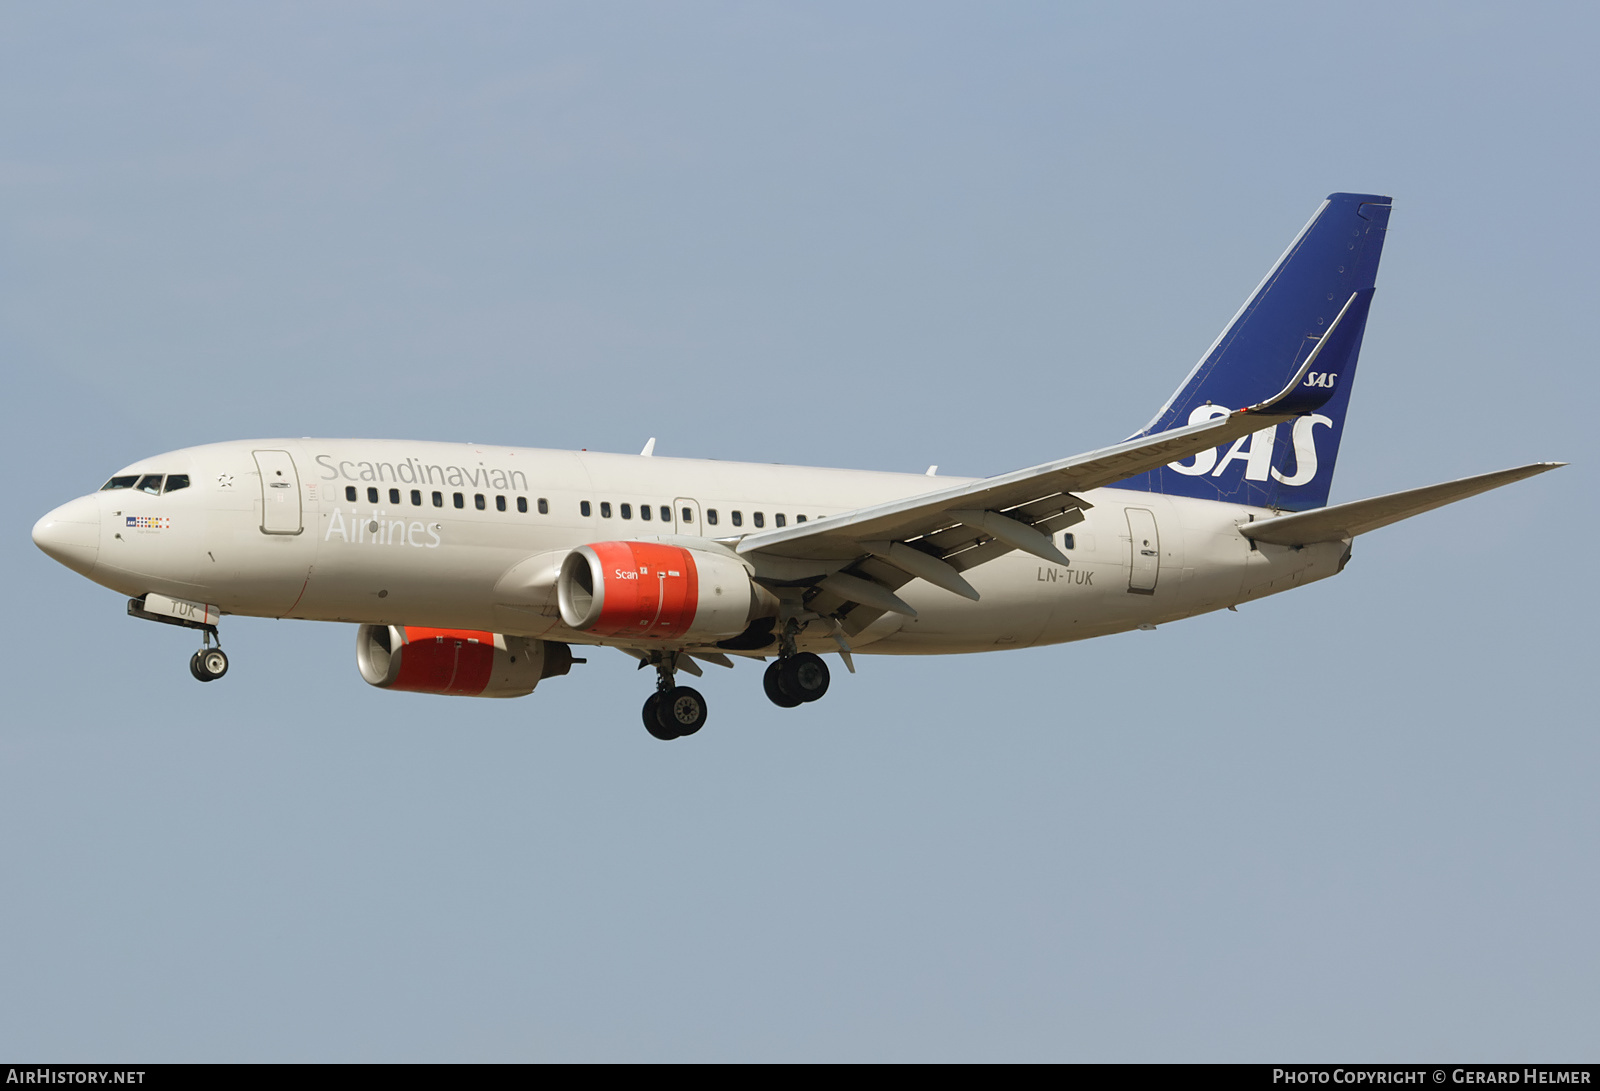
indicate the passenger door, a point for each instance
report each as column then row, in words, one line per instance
column 1144, row 565
column 280, row 493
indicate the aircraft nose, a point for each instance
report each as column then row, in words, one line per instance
column 71, row 534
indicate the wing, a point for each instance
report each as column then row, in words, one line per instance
column 849, row 565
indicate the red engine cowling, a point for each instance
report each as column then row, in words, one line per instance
column 656, row 591
column 457, row 662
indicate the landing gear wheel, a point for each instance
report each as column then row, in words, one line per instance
column 652, row 720
column 804, row 675
column 772, row 682
column 683, row 710
column 208, row 664
column 215, row 661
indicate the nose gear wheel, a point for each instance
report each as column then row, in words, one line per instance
column 208, row 664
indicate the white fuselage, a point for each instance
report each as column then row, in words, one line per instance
column 257, row 533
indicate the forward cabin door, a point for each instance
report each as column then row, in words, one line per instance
column 1144, row 565
column 280, row 493
column 686, row 516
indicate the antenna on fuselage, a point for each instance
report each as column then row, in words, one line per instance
column 649, row 448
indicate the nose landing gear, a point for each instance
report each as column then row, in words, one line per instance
column 672, row 711
column 208, row 664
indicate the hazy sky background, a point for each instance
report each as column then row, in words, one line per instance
column 1354, row 821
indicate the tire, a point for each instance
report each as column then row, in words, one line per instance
column 683, row 710
column 214, row 662
column 198, row 669
column 772, row 682
column 804, row 675
column 652, row 720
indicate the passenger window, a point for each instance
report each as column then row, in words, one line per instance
column 778, row 520
column 1066, row 541
column 644, row 511
column 799, row 518
column 350, row 493
column 666, row 514
column 583, row 509
column 499, row 503
column 438, row 499
column 372, row 495
column 459, row 500
column 120, row 482
column 176, row 482
column 738, row 518
column 477, row 500
column 627, row 510
column 605, row 509
column 711, row 515
column 522, row 504
column 394, row 497
column 150, row 483
column 688, row 515
column 416, row 498
column 544, row 506
column 761, row 519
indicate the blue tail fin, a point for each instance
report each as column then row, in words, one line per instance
column 1327, row 274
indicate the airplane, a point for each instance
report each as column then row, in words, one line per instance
column 474, row 570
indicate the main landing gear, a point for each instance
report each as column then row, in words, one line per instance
column 795, row 678
column 672, row 711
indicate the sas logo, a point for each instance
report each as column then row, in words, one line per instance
column 1324, row 379
column 149, row 522
column 1256, row 449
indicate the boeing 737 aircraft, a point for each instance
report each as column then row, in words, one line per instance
column 474, row 570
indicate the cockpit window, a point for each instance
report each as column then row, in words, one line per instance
column 125, row 482
column 176, row 482
column 150, row 483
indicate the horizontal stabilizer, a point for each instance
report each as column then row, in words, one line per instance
column 1348, row 520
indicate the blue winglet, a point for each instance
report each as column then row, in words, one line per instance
column 1307, row 315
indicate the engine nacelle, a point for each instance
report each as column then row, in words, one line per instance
column 457, row 662
column 657, row 591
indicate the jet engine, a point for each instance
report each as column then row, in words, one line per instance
column 457, row 662
column 657, row 591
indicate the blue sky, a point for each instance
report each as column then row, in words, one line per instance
column 1356, row 821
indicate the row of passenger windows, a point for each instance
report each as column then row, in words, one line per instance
column 148, row 483
column 758, row 518
column 585, row 508
column 479, row 501
column 626, row 511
